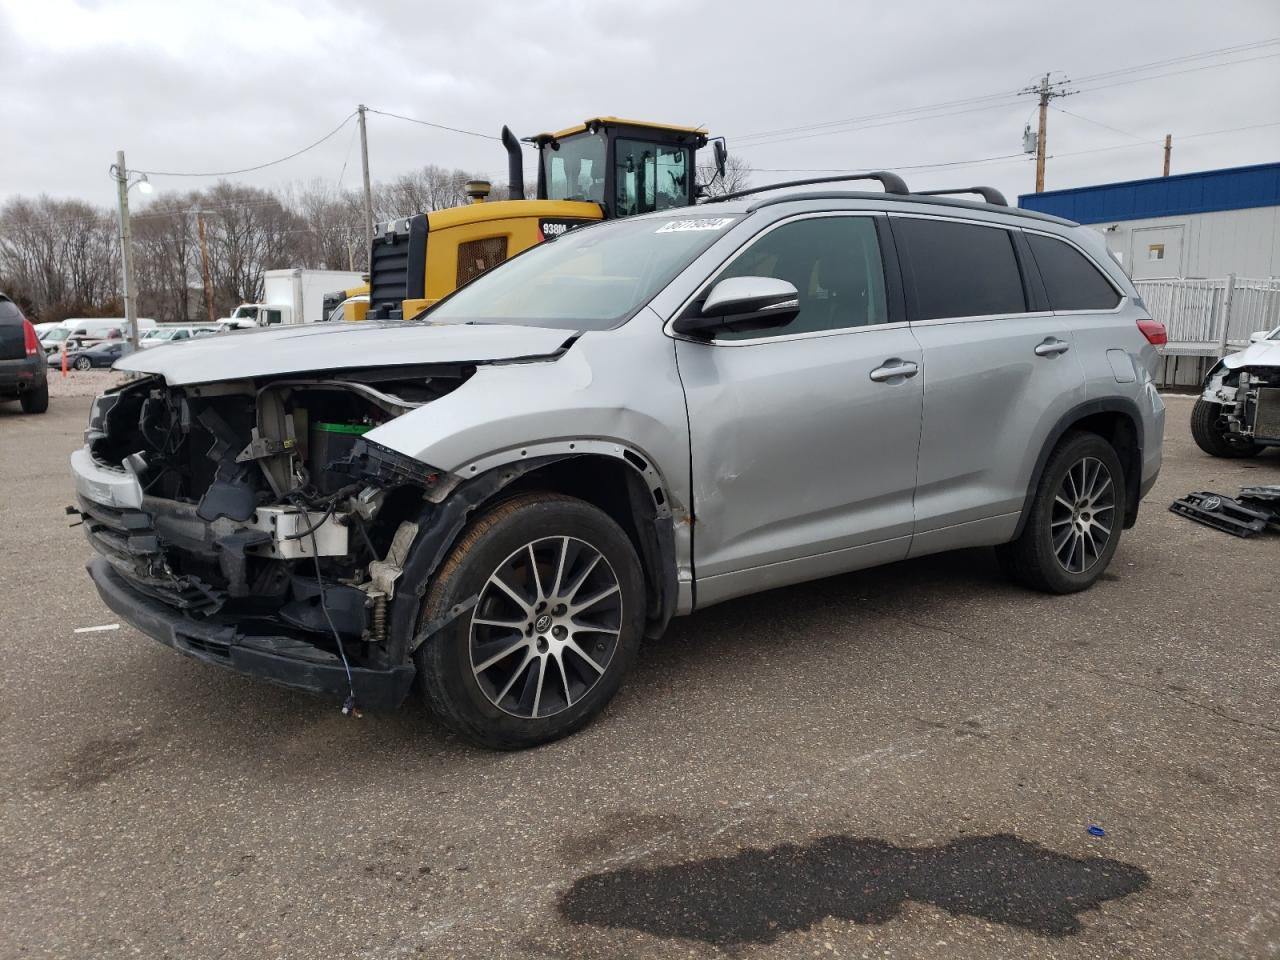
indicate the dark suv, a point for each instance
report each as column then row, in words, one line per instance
column 23, row 371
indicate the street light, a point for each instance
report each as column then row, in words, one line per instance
column 121, row 175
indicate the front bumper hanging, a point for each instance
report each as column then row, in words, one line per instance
column 283, row 660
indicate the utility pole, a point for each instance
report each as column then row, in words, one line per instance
column 1047, row 90
column 368, row 194
column 128, row 294
column 1168, row 149
column 204, row 265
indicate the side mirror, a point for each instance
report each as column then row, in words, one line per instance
column 740, row 304
column 1259, row 335
column 722, row 155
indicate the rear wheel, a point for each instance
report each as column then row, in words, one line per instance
column 1212, row 439
column 1074, row 524
column 36, row 400
column 84, row 363
column 558, row 617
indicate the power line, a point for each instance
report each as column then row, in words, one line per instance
column 1010, row 95
column 1221, row 51
column 891, row 166
column 437, row 126
column 260, row 166
column 1177, row 73
column 1099, row 123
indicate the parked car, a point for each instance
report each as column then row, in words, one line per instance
column 1238, row 413
column 630, row 422
column 86, row 331
column 168, row 333
column 52, row 340
column 22, row 371
column 102, row 354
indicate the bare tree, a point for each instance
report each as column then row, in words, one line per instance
column 249, row 231
column 58, row 257
column 167, row 257
column 332, row 236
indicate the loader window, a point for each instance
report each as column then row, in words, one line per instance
column 650, row 176
column 575, row 171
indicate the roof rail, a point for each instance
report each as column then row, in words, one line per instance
column 989, row 194
column 891, row 182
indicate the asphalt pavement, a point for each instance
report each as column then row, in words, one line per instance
column 902, row 762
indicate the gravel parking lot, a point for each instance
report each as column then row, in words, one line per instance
column 896, row 763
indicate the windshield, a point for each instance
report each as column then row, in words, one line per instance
column 589, row 279
column 575, row 168
column 56, row 335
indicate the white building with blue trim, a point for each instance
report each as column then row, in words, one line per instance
column 1203, row 249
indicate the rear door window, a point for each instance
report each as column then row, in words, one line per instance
column 959, row 269
column 1070, row 279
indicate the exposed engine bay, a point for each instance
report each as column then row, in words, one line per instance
column 261, row 502
column 1249, row 399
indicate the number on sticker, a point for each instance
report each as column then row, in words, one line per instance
column 700, row 223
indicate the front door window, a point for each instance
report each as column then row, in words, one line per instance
column 650, row 176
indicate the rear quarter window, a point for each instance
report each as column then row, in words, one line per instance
column 9, row 312
column 1070, row 278
column 959, row 269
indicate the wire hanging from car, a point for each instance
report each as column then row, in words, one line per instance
column 349, row 706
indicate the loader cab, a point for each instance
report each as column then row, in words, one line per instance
column 626, row 166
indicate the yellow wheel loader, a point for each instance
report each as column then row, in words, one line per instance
column 602, row 168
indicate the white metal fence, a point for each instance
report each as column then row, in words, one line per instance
column 1211, row 317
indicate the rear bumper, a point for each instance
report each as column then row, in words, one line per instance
column 18, row 376
column 281, row 660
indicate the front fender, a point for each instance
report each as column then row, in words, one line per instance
column 613, row 392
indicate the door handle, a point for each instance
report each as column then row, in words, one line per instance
column 894, row 369
column 1051, row 347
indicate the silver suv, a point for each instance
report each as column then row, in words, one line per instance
column 631, row 422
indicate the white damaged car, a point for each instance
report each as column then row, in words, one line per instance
column 1238, row 413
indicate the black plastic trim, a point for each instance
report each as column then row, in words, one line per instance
column 226, row 647
column 1134, row 492
column 915, row 198
column 892, row 183
column 988, row 194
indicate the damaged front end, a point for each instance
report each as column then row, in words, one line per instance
column 254, row 525
column 1248, row 399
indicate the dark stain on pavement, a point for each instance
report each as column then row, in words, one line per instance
column 100, row 759
column 756, row 896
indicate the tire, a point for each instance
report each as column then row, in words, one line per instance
column 83, row 363
column 1062, row 548
column 502, row 705
column 1204, row 417
column 37, row 400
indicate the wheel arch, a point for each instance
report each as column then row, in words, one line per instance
column 1115, row 419
column 618, row 480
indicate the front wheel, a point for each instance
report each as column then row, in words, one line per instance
column 558, row 616
column 1074, row 524
column 1214, row 441
column 83, row 363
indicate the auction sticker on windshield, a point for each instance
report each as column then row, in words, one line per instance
column 699, row 223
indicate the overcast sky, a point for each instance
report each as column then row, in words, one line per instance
column 195, row 86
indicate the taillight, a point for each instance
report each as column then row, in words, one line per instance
column 29, row 335
column 1154, row 331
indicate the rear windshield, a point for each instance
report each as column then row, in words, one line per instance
column 591, row 278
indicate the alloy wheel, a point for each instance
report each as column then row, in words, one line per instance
column 1083, row 515
column 545, row 627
